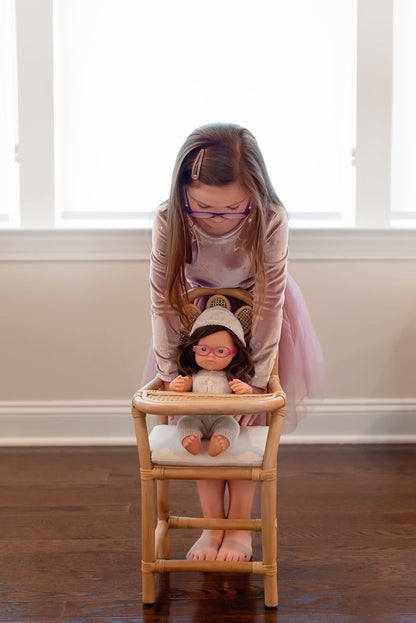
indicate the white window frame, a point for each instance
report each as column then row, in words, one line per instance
column 35, row 98
column 374, row 112
column 372, row 157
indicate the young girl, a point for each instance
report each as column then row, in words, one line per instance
column 213, row 355
column 224, row 226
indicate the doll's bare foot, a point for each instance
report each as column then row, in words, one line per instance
column 207, row 546
column 217, row 444
column 236, row 546
column 192, row 443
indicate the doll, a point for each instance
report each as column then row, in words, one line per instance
column 214, row 358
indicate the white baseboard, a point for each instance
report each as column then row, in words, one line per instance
column 357, row 421
column 66, row 423
column 109, row 422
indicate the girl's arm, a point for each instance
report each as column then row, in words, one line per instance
column 165, row 321
column 265, row 339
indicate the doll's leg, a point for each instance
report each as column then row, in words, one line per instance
column 237, row 544
column 190, row 431
column 224, row 431
column 211, row 495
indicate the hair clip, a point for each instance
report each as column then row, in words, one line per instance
column 196, row 169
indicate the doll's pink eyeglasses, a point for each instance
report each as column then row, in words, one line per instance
column 205, row 214
column 219, row 351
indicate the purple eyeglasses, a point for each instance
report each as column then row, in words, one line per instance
column 206, row 214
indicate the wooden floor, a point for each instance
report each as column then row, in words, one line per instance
column 69, row 540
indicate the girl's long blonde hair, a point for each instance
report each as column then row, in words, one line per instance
column 231, row 154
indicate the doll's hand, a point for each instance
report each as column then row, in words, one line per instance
column 181, row 384
column 239, row 387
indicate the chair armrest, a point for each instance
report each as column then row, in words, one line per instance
column 176, row 403
column 155, row 384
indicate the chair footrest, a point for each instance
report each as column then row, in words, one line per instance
column 166, row 566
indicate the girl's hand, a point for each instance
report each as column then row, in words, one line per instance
column 246, row 420
column 181, row 384
column 250, row 419
column 239, row 387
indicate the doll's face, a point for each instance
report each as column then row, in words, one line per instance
column 213, row 341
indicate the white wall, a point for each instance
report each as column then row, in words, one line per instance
column 75, row 335
column 74, row 330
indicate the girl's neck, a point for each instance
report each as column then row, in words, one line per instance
column 200, row 228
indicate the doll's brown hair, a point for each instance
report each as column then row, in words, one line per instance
column 241, row 366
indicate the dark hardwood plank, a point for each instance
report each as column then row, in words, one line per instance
column 70, row 540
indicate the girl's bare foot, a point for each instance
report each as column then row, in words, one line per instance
column 192, row 443
column 207, row 546
column 217, row 444
column 236, row 546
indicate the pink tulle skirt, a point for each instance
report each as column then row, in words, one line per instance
column 300, row 357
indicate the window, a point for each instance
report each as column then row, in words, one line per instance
column 122, row 109
column 9, row 171
column 403, row 196
column 327, row 89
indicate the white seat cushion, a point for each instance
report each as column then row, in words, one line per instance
column 247, row 451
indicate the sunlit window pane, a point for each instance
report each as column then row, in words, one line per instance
column 404, row 116
column 132, row 79
column 9, row 169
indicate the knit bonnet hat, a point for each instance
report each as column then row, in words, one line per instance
column 221, row 317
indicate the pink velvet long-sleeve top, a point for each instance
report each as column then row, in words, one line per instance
column 221, row 262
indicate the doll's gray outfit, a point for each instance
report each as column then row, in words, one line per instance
column 209, row 381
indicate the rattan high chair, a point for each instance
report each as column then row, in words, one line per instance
column 252, row 457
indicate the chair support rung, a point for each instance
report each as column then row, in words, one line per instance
column 168, row 472
column 204, row 523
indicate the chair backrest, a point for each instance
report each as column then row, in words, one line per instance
column 236, row 300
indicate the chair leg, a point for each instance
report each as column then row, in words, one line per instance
column 148, row 540
column 163, row 549
column 269, row 540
